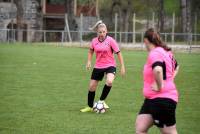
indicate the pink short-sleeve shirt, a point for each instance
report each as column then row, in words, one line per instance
column 104, row 52
column 159, row 55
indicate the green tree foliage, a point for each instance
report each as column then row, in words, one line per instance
column 172, row 6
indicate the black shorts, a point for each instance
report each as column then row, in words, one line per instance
column 98, row 73
column 162, row 111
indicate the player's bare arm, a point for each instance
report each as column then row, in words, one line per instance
column 90, row 54
column 158, row 74
column 121, row 60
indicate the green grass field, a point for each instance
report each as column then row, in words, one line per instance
column 42, row 89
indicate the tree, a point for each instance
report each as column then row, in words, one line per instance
column 71, row 21
column 186, row 18
column 127, row 14
column 186, row 15
column 19, row 19
column 69, row 9
column 161, row 16
column 195, row 13
column 124, row 11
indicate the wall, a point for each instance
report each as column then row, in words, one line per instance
column 7, row 14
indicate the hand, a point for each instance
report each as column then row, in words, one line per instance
column 122, row 72
column 88, row 65
column 155, row 87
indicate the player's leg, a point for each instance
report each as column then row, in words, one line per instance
column 109, row 79
column 167, row 116
column 107, row 87
column 110, row 76
column 169, row 130
column 143, row 123
column 91, row 95
column 97, row 75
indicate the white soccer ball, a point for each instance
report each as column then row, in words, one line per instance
column 99, row 107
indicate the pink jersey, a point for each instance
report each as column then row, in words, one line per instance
column 156, row 56
column 104, row 51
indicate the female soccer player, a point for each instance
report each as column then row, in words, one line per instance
column 103, row 46
column 159, row 90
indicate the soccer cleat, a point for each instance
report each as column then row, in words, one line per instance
column 105, row 105
column 86, row 109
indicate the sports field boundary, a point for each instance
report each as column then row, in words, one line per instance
column 127, row 46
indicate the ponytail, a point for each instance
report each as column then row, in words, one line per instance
column 97, row 25
column 155, row 39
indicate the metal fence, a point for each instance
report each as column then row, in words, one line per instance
column 125, row 39
column 8, row 35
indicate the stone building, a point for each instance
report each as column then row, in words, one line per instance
column 19, row 19
column 23, row 20
column 7, row 16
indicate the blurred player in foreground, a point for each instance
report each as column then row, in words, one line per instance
column 159, row 89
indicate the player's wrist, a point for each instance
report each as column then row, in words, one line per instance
column 122, row 66
column 160, row 86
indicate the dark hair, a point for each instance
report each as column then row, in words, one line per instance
column 155, row 39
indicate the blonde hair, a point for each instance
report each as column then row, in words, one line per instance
column 98, row 25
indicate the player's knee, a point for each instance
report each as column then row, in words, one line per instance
column 169, row 130
column 140, row 129
column 109, row 82
column 92, row 87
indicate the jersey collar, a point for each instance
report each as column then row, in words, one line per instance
column 102, row 40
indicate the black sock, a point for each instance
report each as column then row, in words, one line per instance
column 105, row 92
column 91, row 95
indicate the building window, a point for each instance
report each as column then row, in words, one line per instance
column 5, row 0
column 56, row 2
